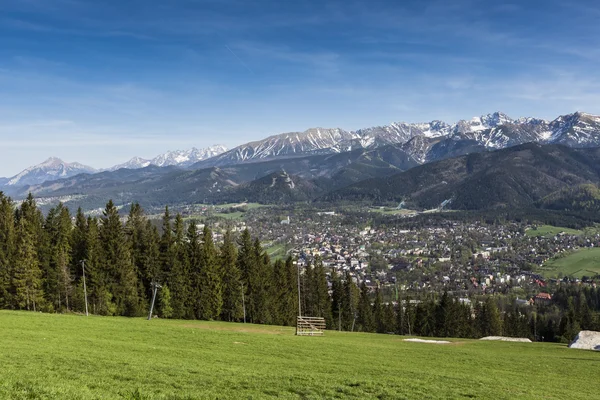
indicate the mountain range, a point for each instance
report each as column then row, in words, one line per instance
column 477, row 163
column 54, row 168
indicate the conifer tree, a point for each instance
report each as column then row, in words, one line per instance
column 232, row 284
column 166, row 247
column 7, row 250
column 307, row 293
column 260, row 281
column 378, row 313
column 349, row 304
column 117, row 262
column 337, row 295
column 194, row 259
column 181, row 284
column 365, row 319
column 99, row 295
column 164, row 302
column 27, row 278
column 210, row 284
column 321, row 298
column 246, row 262
column 135, row 230
column 291, row 293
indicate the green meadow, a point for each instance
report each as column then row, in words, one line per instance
column 49, row 356
column 584, row 262
column 549, row 230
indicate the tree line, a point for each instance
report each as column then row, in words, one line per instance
column 43, row 259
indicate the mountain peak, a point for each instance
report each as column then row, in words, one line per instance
column 51, row 169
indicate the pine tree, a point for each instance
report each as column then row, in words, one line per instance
column 78, row 255
column 27, row 278
column 194, row 259
column 307, row 293
column 337, row 295
column 490, row 321
column 378, row 313
column 7, row 250
column 97, row 279
column 247, row 264
column 365, row 319
column 135, row 229
column 232, row 285
column 259, row 285
column 117, row 262
column 211, row 290
column 179, row 278
column 58, row 276
column 349, row 304
column 166, row 248
column 164, row 302
column 278, row 295
column 389, row 318
column 321, row 298
column 291, row 293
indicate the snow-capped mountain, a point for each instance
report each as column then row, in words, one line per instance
column 134, row 163
column 425, row 142
column 182, row 158
column 311, row 141
column 51, row 169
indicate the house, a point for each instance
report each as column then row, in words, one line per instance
column 542, row 298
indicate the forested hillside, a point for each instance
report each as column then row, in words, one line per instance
column 42, row 261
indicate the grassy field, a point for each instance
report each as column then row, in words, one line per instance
column 392, row 211
column 549, row 230
column 277, row 251
column 45, row 356
column 584, row 262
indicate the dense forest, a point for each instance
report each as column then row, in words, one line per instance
column 43, row 260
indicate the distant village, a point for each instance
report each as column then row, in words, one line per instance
column 462, row 258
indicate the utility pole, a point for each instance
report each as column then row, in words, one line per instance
column 299, row 299
column 84, row 288
column 155, row 287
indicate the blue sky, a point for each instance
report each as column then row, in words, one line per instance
column 101, row 81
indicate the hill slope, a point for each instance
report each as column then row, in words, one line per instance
column 111, row 357
column 513, row 177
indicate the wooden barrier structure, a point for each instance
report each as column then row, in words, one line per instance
column 310, row 326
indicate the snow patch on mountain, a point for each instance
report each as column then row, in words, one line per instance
column 51, row 169
column 182, row 158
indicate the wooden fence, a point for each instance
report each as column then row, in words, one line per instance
column 310, row 326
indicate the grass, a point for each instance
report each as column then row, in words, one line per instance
column 584, row 262
column 277, row 251
column 392, row 211
column 49, row 356
column 549, row 230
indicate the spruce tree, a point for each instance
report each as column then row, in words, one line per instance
column 7, row 250
column 291, row 293
column 365, row 311
column 27, row 276
column 97, row 278
column 210, row 284
column 378, row 313
column 117, row 262
column 232, row 284
column 194, row 259
column 135, row 229
column 179, row 278
column 321, row 298
column 164, row 302
column 337, row 295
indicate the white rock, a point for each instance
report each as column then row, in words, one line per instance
column 587, row 340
